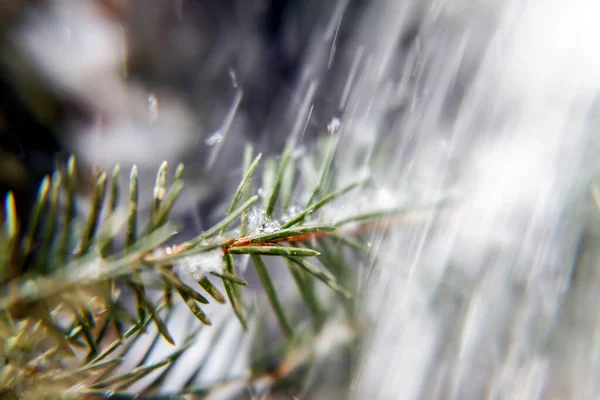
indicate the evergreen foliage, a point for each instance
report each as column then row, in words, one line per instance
column 66, row 280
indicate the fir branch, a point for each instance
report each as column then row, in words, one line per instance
column 96, row 271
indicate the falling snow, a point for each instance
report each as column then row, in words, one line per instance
column 152, row 108
column 214, row 139
column 334, row 125
column 498, row 102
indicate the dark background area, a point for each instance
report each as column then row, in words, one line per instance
column 188, row 48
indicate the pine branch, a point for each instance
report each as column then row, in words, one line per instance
column 72, row 290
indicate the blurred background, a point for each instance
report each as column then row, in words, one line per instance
column 135, row 82
column 493, row 103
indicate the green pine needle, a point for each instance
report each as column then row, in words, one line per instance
column 232, row 293
column 97, row 274
column 271, row 292
column 274, row 251
column 226, row 221
column 211, row 289
column 94, row 216
column 244, row 186
column 311, row 269
column 35, row 219
column 285, row 159
column 131, row 233
column 321, row 203
column 232, row 278
column 291, row 232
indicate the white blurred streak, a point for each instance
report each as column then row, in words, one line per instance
column 221, row 134
column 472, row 305
column 389, row 377
column 218, row 352
column 303, row 113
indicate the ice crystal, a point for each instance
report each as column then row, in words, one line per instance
column 201, row 264
column 259, row 223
